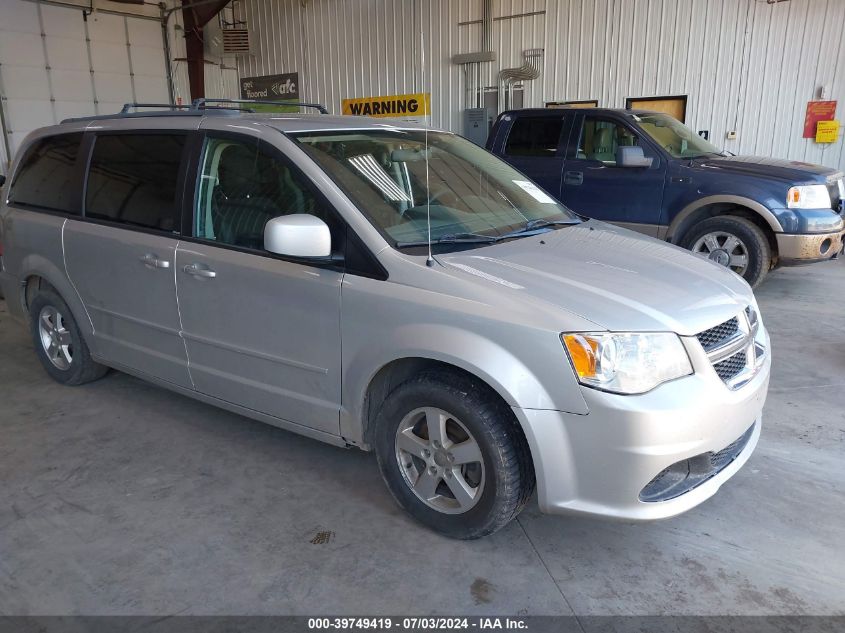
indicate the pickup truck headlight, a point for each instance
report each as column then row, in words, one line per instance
column 626, row 363
column 808, row 197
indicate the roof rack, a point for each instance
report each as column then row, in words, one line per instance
column 199, row 107
column 201, row 104
column 165, row 106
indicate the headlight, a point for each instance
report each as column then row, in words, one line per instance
column 624, row 362
column 808, row 197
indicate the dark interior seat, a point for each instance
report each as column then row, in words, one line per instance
column 244, row 198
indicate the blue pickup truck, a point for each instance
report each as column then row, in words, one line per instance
column 648, row 172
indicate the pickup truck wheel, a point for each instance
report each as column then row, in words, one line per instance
column 59, row 343
column 733, row 242
column 452, row 455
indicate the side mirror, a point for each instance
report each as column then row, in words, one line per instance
column 298, row 235
column 632, row 156
column 2, row 180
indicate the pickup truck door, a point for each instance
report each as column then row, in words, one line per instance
column 535, row 145
column 595, row 186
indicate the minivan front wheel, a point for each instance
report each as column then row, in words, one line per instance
column 452, row 455
column 733, row 242
column 59, row 343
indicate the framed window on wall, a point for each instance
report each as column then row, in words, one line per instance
column 675, row 106
column 588, row 103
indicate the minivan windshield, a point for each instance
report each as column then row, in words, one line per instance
column 398, row 177
column 675, row 137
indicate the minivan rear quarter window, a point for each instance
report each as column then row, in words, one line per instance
column 534, row 136
column 132, row 180
column 46, row 176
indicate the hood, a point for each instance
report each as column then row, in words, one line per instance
column 789, row 170
column 618, row 279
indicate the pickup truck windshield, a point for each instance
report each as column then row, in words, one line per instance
column 469, row 192
column 675, row 137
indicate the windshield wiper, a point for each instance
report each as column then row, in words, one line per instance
column 455, row 238
column 534, row 225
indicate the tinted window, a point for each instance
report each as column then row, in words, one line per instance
column 46, row 177
column 534, row 136
column 132, row 179
column 241, row 188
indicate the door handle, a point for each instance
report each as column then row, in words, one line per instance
column 573, row 178
column 197, row 271
column 154, row 262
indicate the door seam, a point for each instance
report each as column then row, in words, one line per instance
column 179, row 313
column 73, row 285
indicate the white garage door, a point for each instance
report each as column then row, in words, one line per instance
column 57, row 63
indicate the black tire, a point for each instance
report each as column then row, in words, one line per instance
column 81, row 367
column 759, row 251
column 507, row 466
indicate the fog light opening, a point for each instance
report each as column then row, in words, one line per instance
column 825, row 247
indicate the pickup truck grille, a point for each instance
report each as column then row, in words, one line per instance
column 732, row 349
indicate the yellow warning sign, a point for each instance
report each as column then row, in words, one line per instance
column 389, row 106
column 827, row 131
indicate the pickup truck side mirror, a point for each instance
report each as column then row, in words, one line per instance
column 298, row 235
column 632, row 156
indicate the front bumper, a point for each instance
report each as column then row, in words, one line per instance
column 809, row 248
column 600, row 463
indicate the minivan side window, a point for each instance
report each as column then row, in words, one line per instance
column 600, row 138
column 241, row 188
column 534, row 136
column 46, row 178
column 132, row 180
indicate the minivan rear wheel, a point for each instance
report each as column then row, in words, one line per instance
column 452, row 455
column 59, row 343
column 734, row 242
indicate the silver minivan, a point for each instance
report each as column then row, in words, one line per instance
column 377, row 284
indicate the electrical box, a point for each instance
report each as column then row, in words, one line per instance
column 477, row 122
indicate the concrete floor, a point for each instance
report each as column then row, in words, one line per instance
column 122, row 498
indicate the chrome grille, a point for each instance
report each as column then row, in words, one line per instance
column 732, row 348
column 715, row 336
column 730, row 367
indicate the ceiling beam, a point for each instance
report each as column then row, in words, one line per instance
column 196, row 14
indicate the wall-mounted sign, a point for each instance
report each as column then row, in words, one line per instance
column 827, row 131
column 284, row 87
column 389, row 106
column 818, row 111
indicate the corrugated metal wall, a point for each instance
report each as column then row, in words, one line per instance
column 746, row 65
column 356, row 48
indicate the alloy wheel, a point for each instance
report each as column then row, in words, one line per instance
column 723, row 248
column 55, row 337
column 440, row 460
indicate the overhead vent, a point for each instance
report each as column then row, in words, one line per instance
column 228, row 35
column 236, row 42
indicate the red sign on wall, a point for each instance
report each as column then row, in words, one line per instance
column 818, row 111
